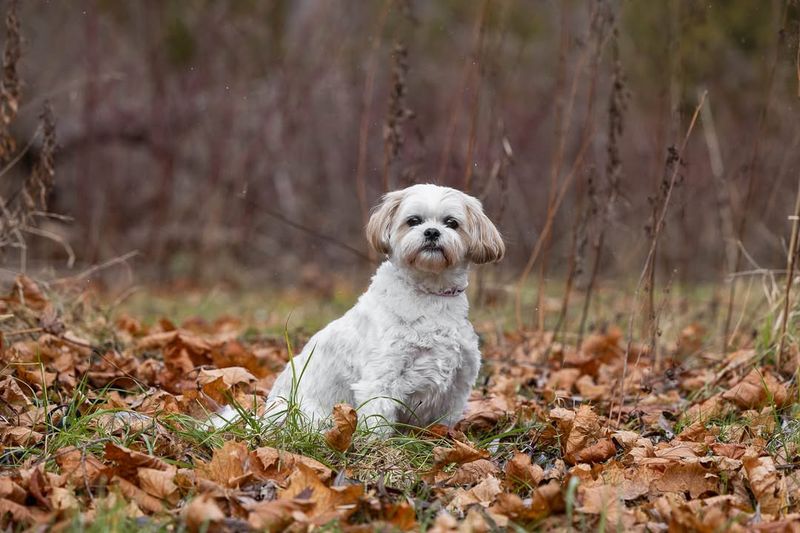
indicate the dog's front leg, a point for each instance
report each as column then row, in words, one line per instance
column 462, row 385
column 378, row 398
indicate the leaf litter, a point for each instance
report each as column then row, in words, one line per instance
column 102, row 418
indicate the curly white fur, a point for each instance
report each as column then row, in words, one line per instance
column 406, row 352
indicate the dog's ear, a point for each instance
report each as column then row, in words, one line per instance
column 379, row 227
column 485, row 243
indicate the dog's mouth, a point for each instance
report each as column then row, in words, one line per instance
column 432, row 247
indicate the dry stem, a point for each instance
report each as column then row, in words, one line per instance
column 653, row 244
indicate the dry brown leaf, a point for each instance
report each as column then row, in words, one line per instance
column 202, row 511
column 717, row 513
column 279, row 465
column 63, row 499
column 460, row 453
column 277, row 515
column 145, row 501
column 483, row 413
column 127, row 461
column 11, row 490
column 26, row 292
column 598, row 452
column 444, row 523
column 230, row 466
column 471, row 473
column 677, row 450
column 19, row 436
column 563, row 379
column 589, row 390
column 766, row 483
column 728, row 449
column 520, row 471
column 20, row 513
column 79, row 467
column 679, row 477
column 401, row 516
column 344, row 425
column 756, row 390
column 547, row 499
column 159, row 483
column 513, row 507
column 483, row 493
column 602, row 499
column 233, row 375
column 329, row 502
column 582, row 440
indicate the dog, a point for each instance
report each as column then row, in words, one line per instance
column 406, row 353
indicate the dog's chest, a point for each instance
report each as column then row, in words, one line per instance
column 434, row 353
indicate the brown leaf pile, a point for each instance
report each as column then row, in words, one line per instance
column 710, row 446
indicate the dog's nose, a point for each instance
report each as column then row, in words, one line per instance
column 432, row 234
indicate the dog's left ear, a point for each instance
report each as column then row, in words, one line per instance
column 379, row 227
column 486, row 245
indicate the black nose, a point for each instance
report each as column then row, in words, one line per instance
column 432, row 234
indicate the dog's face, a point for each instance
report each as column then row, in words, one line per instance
column 432, row 228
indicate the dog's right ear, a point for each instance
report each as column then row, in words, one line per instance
column 379, row 227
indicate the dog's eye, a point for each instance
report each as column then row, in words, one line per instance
column 414, row 221
column 451, row 223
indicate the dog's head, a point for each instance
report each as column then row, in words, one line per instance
column 433, row 228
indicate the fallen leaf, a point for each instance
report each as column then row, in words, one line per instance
column 26, row 292
column 79, row 467
column 563, row 379
column 233, row 375
column 127, row 461
column 521, row 472
column 756, row 390
column 460, row 453
column 344, row 425
column 471, row 473
column 483, row 413
column 402, row 516
column 159, row 483
column 582, row 440
column 766, row 483
column 202, row 511
column 483, row 493
column 145, row 501
column 230, row 466
column 279, row 465
column 684, row 477
column 276, row 515
column 598, row 452
column 329, row 502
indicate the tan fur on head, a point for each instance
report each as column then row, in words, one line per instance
column 485, row 243
column 379, row 227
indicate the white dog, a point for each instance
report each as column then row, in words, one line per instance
column 406, row 352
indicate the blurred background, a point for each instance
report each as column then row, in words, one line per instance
column 244, row 141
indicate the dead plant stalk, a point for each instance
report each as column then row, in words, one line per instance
column 790, row 264
column 366, row 108
column 470, row 66
column 792, row 255
column 742, row 227
column 653, row 245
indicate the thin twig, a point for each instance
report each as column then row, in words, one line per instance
column 473, row 129
column 751, row 181
column 469, row 65
column 790, row 264
column 654, row 242
column 537, row 248
column 366, row 107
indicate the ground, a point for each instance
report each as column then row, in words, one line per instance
column 102, row 405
